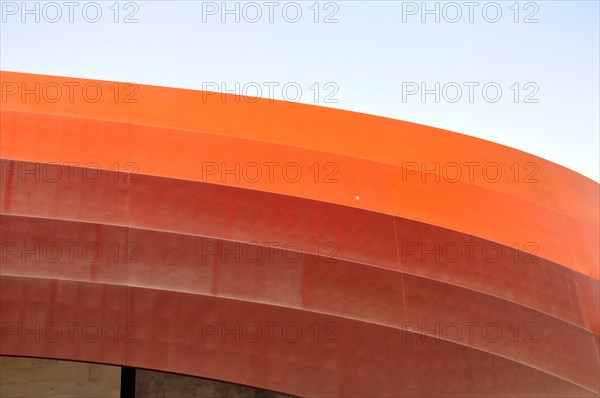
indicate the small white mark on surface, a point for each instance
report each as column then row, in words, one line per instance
column 357, row 197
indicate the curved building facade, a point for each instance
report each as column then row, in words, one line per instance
column 299, row 249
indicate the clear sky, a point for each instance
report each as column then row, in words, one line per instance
column 374, row 57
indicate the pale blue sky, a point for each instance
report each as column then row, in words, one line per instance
column 367, row 56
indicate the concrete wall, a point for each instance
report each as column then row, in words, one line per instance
column 150, row 384
column 30, row 377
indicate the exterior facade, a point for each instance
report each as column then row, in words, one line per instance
column 298, row 249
